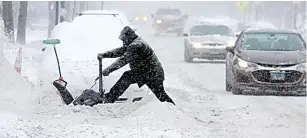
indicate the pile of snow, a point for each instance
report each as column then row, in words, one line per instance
column 119, row 15
column 147, row 121
column 81, row 41
column 15, row 92
column 26, row 113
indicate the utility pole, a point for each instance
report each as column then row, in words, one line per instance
column 57, row 12
column 257, row 10
column 102, row 5
column 62, row 11
column 295, row 4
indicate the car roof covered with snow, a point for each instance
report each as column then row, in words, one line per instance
column 212, row 21
column 275, row 30
column 260, row 25
column 215, row 21
column 116, row 13
column 102, row 12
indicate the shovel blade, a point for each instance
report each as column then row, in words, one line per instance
column 64, row 93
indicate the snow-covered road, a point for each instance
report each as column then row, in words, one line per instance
column 204, row 108
column 224, row 114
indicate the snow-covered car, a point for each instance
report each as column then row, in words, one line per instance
column 168, row 20
column 117, row 14
column 256, row 25
column 267, row 60
column 81, row 41
column 207, row 41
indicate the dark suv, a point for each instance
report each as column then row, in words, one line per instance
column 267, row 60
column 168, row 20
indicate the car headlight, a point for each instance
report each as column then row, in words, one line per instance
column 145, row 19
column 137, row 18
column 158, row 21
column 246, row 65
column 196, row 45
column 302, row 67
column 242, row 63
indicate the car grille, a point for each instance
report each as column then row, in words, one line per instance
column 291, row 76
column 212, row 44
column 275, row 66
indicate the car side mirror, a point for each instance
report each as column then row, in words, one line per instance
column 185, row 34
column 230, row 49
column 237, row 34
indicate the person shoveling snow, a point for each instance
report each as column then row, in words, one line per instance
column 145, row 67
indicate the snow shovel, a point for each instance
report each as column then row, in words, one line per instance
column 101, row 89
column 90, row 98
column 60, row 84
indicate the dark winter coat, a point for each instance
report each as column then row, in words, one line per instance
column 141, row 59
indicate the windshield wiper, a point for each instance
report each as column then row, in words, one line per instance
column 281, row 50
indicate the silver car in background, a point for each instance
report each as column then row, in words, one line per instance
column 207, row 41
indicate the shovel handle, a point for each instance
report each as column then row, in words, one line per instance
column 61, row 80
column 100, row 78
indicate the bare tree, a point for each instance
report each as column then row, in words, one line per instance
column 51, row 7
column 7, row 16
column 22, row 22
column 81, row 4
column 1, row 7
column 74, row 10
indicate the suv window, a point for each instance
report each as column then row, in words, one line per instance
column 268, row 41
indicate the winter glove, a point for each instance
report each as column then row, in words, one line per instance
column 105, row 72
column 100, row 56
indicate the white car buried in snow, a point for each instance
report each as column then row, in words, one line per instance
column 81, row 41
column 117, row 14
column 207, row 41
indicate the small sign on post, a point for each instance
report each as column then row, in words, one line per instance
column 52, row 41
column 241, row 6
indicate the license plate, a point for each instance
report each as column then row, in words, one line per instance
column 277, row 75
column 215, row 52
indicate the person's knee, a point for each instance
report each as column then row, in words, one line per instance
column 126, row 73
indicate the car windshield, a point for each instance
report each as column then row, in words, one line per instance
column 168, row 12
column 201, row 30
column 273, row 42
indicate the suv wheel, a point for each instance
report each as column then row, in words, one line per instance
column 187, row 57
column 236, row 90
column 227, row 85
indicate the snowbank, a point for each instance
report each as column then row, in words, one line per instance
column 15, row 92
